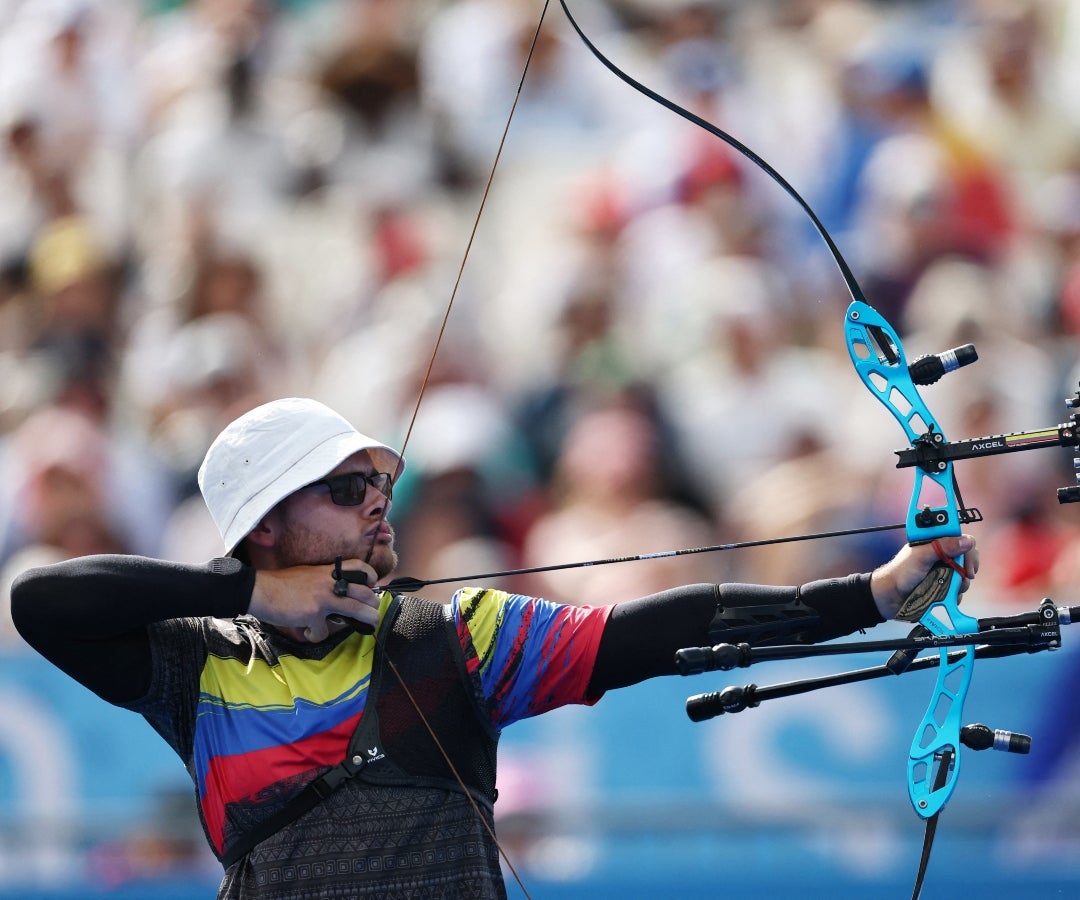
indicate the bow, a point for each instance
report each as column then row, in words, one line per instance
column 879, row 360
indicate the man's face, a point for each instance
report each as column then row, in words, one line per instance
column 315, row 530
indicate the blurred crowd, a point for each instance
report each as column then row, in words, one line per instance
column 209, row 204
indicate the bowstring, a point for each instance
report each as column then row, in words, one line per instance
column 475, row 227
column 415, row 413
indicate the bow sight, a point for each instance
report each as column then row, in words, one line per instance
column 932, row 453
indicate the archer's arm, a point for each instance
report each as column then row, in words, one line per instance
column 88, row 616
column 641, row 636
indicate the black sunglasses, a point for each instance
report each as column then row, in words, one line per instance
column 351, row 488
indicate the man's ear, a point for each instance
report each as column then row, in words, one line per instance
column 265, row 533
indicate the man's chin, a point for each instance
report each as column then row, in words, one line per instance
column 384, row 560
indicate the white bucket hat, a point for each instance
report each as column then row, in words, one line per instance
column 270, row 452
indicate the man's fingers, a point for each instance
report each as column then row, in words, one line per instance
column 353, row 571
column 355, row 601
column 949, row 548
column 311, row 600
column 353, row 581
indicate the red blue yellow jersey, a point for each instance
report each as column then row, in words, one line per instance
column 272, row 714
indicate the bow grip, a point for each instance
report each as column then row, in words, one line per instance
column 934, row 588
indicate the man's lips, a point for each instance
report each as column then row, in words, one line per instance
column 381, row 532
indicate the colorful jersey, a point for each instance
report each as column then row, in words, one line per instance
column 260, row 716
column 531, row 655
column 273, row 719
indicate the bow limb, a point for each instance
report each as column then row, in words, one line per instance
column 730, row 140
column 934, row 511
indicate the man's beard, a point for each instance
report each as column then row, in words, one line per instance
column 300, row 546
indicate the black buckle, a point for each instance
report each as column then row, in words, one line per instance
column 337, row 776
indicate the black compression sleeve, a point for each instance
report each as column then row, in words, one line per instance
column 845, row 605
column 88, row 616
column 642, row 635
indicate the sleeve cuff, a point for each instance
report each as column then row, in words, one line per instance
column 845, row 604
column 233, row 594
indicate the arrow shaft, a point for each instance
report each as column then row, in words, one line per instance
column 412, row 584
